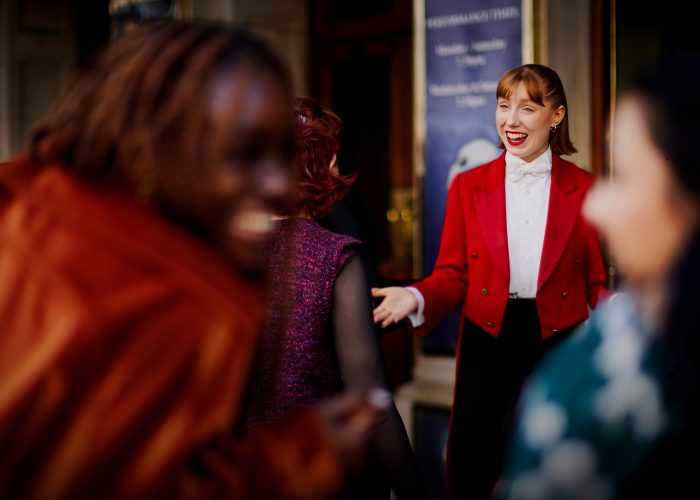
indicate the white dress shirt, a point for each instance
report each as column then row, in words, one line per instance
column 527, row 205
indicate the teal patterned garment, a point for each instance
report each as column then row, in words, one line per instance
column 591, row 413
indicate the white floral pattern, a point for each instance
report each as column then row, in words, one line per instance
column 590, row 412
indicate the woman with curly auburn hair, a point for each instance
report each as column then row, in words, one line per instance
column 319, row 184
column 320, row 337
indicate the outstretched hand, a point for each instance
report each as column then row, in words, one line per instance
column 397, row 304
column 349, row 420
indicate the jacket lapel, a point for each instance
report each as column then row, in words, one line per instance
column 490, row 203
column 564, row 204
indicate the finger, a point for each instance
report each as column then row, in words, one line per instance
column 387, row 321
column 379, row 309
column 382, row 312
column 340, row 407
column 358, row 426
column 400, row 315
column 379, row 292
column 393, row 318
column 381, row 316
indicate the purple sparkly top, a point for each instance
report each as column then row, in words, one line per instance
column 295, row 366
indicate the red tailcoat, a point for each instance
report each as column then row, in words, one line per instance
column 473, row 270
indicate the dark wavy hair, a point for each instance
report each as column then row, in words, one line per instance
column 319, row 137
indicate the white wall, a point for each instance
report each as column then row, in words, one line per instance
column 282, row 23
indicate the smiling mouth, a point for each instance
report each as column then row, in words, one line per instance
column 253, row 226
column 515, row 138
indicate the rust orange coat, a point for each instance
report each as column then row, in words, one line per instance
column 125, row 347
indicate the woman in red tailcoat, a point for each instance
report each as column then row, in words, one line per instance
column 519, row 261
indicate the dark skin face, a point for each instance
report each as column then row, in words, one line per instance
column 230, row 197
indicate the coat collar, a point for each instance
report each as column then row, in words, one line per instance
column 494, row 175
column 562, row 177
column 490, row 202
column 564, row 206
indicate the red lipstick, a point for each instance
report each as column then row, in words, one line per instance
column 515, row 138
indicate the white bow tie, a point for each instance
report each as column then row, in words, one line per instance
column 516, row 171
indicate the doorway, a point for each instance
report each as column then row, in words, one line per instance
column 361, row 68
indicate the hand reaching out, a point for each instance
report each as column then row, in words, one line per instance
column 349, row 420
column 397, row 304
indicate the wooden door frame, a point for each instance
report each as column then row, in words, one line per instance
column 397, row 21
column 602, row 72
column 603, row 86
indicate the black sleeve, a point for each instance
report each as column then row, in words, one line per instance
column 361, row 365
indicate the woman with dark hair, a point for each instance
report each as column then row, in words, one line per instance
column 519, row 261
column 613, row 413
column 320, row 337
column 130, row 233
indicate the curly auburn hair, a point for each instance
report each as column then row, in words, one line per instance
column 319, row 137
column 144, row 105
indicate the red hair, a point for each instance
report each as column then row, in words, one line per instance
column 319, row 137
column 542, row 85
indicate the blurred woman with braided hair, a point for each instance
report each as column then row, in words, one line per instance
column 320, row 337
column 130, row 234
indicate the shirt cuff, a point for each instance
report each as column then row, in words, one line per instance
column 416, row 318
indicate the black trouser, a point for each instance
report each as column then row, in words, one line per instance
column 491, row 371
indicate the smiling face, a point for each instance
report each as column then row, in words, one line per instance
column 524, row 125
column 245, row 176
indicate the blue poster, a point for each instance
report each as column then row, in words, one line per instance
column 469, row 45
